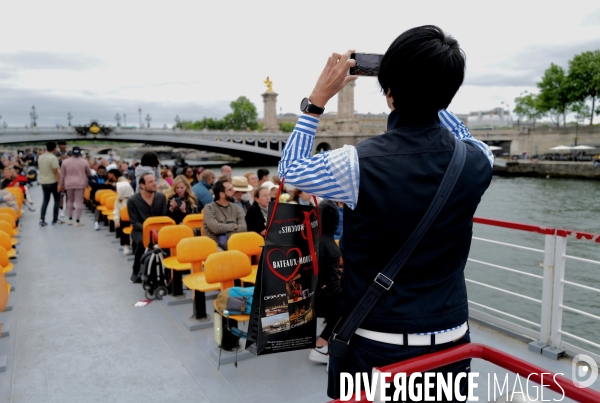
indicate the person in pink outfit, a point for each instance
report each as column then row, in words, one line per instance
column 75, row 172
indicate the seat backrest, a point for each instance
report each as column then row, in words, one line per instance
column 249, row 243
column 154, row 223
column 110, row 202
column 10, row 211
column 87, row 193
column 3, row 292
column 196, row 250
column 193, row 220
column 6, row 227
column 99, row 194
column 9, row 219
column 105, row 196
column 3, row 257
column 225, row 267
column 124, row 213
column 5, row 240
column 170, row 235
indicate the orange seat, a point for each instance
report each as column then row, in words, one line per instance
column 87, row 193
column 7, row 228
column 99, row 194
column 109, row 204
column 250, row 244
column 168, row 238
column 194, row 221
column 104, row 199
column 8, row 210
column 154, row 223
column 4, row 291
column 224, row 268
column 11, row 220
column 5, row 264
column 125, row 217
column 5, row 242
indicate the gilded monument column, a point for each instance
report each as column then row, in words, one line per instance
column 270, row 123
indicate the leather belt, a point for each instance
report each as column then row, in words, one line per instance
column 414, row 339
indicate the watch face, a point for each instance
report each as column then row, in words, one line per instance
column 304, row 105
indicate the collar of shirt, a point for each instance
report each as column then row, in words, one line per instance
column 397, row 120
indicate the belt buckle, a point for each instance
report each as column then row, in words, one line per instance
column 334, row 338
column 385, row 280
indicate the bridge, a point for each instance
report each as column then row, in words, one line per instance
column 263, row 147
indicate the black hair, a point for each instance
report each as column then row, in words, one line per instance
column 62, row 143
column 261, row 173
column 51, row 145
column 142, row 180
column 101, row 166
column 423, row 68
column 218, row 188
column 116, row 173
column 150, row 159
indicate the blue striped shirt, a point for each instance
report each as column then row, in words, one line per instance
column 334, row 175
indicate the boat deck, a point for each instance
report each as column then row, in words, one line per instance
column 76, row 336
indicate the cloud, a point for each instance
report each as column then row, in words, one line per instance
column 527, row 67
column 15, row 106
column 49, row 61
column 591, row 19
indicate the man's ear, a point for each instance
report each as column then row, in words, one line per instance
column 389, row 99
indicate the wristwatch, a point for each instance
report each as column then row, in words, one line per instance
column 306, row 106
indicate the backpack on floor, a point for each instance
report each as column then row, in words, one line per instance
column 152, row 270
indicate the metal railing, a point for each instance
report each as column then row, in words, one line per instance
column 549, row 332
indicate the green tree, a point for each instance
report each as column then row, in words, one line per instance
column 287, row 127
column 243, row 115
column 584, row 77
column 555, row 94
column 527, row 106
column 582, row 111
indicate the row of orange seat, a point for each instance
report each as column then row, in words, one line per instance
column 209, row 269
column 8, row 232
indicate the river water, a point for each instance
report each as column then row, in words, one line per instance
column 558, row 203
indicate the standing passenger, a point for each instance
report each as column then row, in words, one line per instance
column 425, row 307
column 75, row 173
column 49, row 178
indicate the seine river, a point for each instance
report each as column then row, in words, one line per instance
column 558, row 203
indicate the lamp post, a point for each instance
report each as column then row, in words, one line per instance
column 177, row 120
column 118, row 119
column 508, row 115
column 125, row 119
column 140, row 112
column 69, row 117
column 34, row 116
column 148, row 119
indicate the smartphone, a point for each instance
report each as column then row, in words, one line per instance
column 367, row 64
column 178, row 201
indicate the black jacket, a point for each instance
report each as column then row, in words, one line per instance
column 400, row 172
column 329, row 253
column 254, row 219
column 177, row 215
column 139, row 211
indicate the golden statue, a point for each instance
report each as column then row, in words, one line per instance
column 269, row 84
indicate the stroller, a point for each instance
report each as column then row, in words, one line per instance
column 152, row 270
column 31, row 175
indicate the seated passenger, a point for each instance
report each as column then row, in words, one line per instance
column 256, row 217
column 7, row 199
column 223, row 218
column 183, row 201
column 241, row 187
column 124, row 192
column 202, row 189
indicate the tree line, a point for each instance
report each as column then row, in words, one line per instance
column 561, row 93
column 242, row 117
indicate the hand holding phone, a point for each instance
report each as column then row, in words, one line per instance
column 367, row 64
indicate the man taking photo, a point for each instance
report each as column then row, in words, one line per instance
column 424, row 308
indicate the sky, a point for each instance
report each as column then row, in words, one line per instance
column 192, row 58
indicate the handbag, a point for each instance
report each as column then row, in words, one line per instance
column 340, row 340
column 282, row 316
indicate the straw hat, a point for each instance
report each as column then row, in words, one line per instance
column 240, row 184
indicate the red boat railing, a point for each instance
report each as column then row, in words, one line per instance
column 511, row 363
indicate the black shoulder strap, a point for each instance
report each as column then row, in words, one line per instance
column 338, row 345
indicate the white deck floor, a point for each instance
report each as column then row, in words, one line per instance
column 75, row 335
